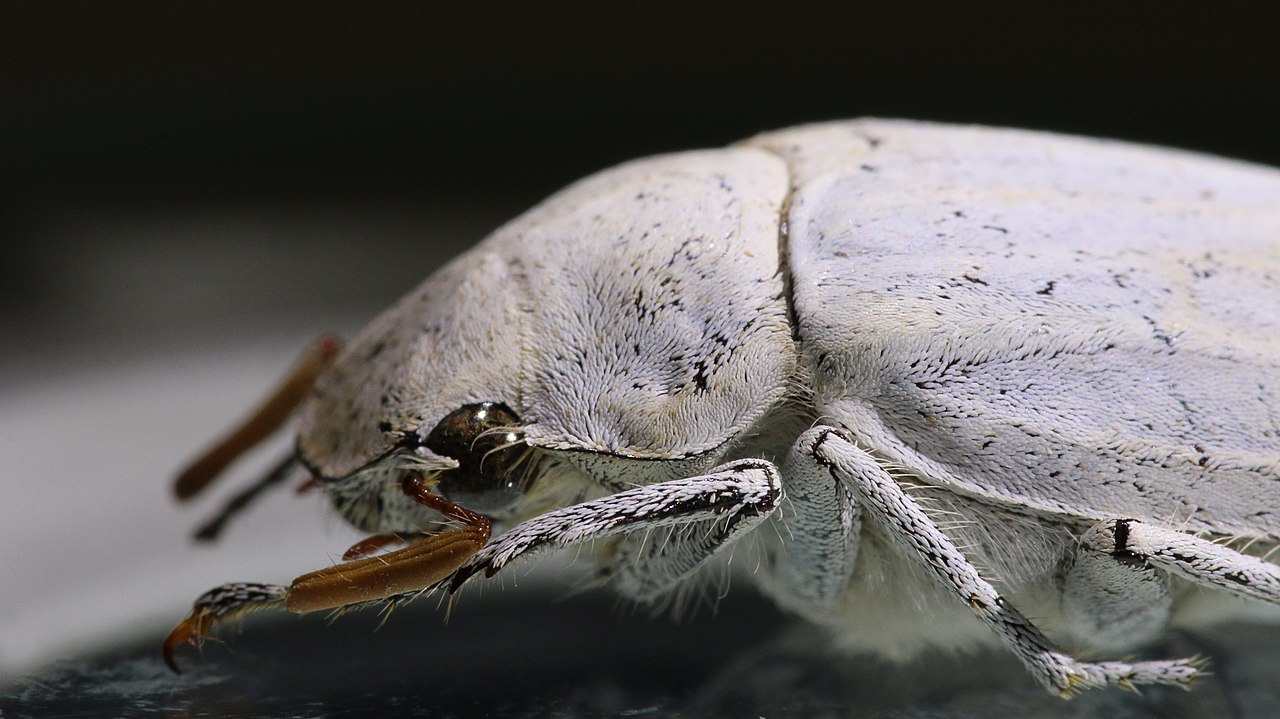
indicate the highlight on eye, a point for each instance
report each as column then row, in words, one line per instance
column 494, row 470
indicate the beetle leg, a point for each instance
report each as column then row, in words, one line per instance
column 819, row 526
column 262, row 423
column 737, row 495
column 1113, row 599
column 417, row 487
column 905, row 522
column 219, row 605
column 1198, row 560
column 370, row 546
column 212, row 528
column 408, row 571
column 413, row 569
column 404, row 573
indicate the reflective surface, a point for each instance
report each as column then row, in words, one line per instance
column 517, row 654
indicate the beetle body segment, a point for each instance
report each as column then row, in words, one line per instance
column 1059, row 324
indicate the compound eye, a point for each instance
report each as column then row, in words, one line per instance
column 485, row 440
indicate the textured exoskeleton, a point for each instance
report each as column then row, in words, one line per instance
column 942, row 378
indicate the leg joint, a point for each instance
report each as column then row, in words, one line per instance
column 1120, row 541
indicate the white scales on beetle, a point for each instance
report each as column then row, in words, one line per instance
column 941, row 379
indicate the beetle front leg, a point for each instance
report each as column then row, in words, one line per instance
column 404, row 573
column 424, row 564
column 218, row 606
column 905, row 522
column 734, row 497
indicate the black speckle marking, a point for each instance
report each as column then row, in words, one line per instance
column 1157, row 332
column 1047, row 289
column 1122, row 553
column 701, row 375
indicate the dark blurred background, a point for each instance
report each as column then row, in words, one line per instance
column 325, row 156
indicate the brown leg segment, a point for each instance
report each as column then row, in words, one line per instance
column 416, row 486
column 370, row 546
column 416, row 567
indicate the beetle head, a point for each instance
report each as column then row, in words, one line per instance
column 635, row 319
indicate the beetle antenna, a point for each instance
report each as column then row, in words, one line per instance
column 270, row 415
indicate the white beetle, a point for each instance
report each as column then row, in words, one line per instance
column 931, row 373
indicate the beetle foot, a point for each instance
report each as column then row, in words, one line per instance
column 217, row 606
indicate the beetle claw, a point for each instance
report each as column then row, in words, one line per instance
column 230, row 601
column 191, row 630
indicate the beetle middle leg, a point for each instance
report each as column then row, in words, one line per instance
column 1112, row 598
column 1197, row 560
column 905, row 522
column 819, row 523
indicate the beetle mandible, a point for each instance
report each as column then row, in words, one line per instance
column 882, row 354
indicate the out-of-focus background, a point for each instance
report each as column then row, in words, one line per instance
column 190, row 192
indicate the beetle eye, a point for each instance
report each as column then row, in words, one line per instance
column 485, row 440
